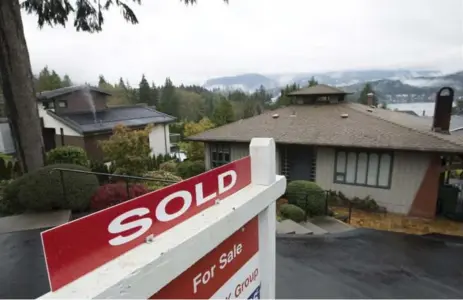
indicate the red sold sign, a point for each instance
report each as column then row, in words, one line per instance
column 76, row 248
column 215, row 271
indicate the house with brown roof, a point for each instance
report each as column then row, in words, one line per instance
column 359, row 150
column 80, row 116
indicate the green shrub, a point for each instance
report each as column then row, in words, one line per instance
column 166, row 179
column 168, row 166
column 100, row 167
column 292, row 212
column 187, row 169
column 42, row 190
column 308, row 196
column 159, row 160
column 67, row 155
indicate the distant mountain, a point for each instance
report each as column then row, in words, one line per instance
column 390, row 85
column 250, row 82
column 244, row 82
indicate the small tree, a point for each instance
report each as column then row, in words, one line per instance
column 128, row 149
column 195, row 150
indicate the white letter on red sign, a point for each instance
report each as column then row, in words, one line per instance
column 117, row 226
column 161, row 213
column 222, row 187
column 200, row 195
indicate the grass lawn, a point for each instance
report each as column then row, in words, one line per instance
column 400, row 223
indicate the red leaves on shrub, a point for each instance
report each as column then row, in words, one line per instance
column 114, row 193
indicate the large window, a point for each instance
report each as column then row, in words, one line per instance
column 220, row 154
column 372, row 169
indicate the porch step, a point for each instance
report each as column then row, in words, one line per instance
column 290, row 227
column 314, row 228
column 330, row 225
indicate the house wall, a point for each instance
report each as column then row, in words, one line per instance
column 237, row 151
column 6, row 139
column 159, row 139
column 79, row 102
column 50, row 122
column 413, row 188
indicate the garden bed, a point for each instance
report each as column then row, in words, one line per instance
column 400, row 223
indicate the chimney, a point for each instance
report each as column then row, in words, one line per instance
column 424, row 113
column 370, row 99
column 443, row 110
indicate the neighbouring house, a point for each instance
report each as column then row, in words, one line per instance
column 6, row 140
column 396, row 158
column 80, row 116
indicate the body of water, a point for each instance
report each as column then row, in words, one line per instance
column 418, row 107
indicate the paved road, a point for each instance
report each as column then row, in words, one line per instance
column 356, row 264
column 369, row 264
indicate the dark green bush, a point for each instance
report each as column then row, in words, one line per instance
column 100, row 167
column 159, row 160
column 5, row 174
column 292, row 212
column 308, row 196
column 67, row 155
column 187, row 169
column 42, row 190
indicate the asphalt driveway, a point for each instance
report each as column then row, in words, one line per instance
column 369, row 264
column 357, row 264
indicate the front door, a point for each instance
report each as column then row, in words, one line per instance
column 298, row 162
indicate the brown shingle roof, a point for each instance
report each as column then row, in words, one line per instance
column 323, row 125
column 320, row 89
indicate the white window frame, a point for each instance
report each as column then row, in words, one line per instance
column 346, row 168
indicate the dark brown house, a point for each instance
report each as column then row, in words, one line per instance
column 80, row 116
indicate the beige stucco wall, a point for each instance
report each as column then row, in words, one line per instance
column 408, row 171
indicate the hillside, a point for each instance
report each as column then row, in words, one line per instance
column 391, row 85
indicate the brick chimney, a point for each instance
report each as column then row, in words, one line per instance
column 443, row 110
column 370, row 99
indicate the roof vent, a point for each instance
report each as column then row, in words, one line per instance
column 369, row 110
column 344, row 116
column 293, row 113
column 275, row 116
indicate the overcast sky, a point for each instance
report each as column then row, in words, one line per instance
column 191, row 44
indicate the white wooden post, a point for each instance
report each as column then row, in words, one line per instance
column 263, row 172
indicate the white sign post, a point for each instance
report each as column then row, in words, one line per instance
column 223, row 249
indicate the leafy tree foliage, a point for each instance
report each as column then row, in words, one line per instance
column 128, row 149
column 223, row 113
column 195, row 150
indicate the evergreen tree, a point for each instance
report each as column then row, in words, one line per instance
column 66, row 82
column 102, row 81
column 223, row 113
column 312, row 82
column 169, row 103
column 144, row 91
column 367, row 89
column 48, row 81
column 154, row 98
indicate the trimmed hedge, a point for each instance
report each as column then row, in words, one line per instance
column 42, row 190
column 187, row 169
column 308, row 196
column 67, row 155
column 292, row 212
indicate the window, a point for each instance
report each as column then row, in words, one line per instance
column 62, row 104
column 48, row 105
column 220, row 155
column 363, row 168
